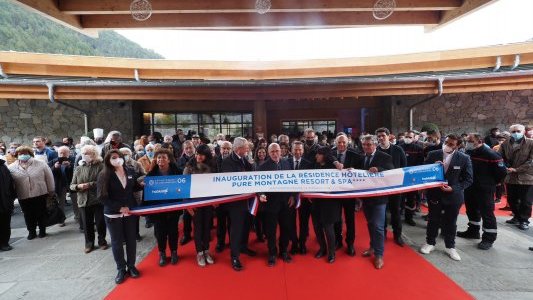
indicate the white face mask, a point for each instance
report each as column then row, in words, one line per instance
column 87, row 158
column 470, row 146
column 407, row 140
column 117, row 162
column 447, row 149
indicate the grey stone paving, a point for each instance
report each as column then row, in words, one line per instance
column 56, row 267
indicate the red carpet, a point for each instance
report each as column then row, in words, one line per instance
column 406, row 275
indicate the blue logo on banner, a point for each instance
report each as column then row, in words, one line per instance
column 423, row 174
column 167, row 187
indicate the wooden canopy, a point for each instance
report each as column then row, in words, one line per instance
column 88, row 16
column 30, row 75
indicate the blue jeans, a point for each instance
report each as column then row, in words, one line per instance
column 375, row 218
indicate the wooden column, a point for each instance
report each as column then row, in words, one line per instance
column 260, row 117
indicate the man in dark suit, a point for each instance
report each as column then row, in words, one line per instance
column 221, row 212
column 375, row 207
column 399, row 160
column 276, row 208
column 297, row 162
column 445, row 202
column 238, row 210
column 349, row 159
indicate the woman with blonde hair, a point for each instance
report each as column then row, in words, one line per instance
column 91, row 208
column 34, row 182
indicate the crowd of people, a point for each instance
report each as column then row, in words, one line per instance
column 105, row 180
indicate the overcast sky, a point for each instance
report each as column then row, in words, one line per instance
column 506, row 21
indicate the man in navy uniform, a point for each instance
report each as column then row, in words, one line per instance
column 489, row 170
column 445, row 201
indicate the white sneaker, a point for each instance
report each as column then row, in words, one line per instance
column 426, row 249
column 453, row 254
column 200, row 259
column 208, row 258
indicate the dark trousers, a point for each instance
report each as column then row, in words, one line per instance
column 349, row 217
column 375, row 219
column 325, row 233
column 123, row 230
column 34, row 210
column 272, row 219
column 395, row 208
column 304, row 213
column 259, row 224
column 222, row 224
column 479, row 203
column 202, row 227
column 5, row 228
column 520, row 198
column 442, row 216
column 187, row 224
column 239, row 226
column 500, row 190
column 411, row 199
column 166, row 230
column 91, row 215
column 293, row 233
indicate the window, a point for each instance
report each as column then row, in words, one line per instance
column 297, row 127
column 210, row 124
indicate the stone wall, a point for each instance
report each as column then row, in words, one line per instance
column 467, row 112
column 21, row 120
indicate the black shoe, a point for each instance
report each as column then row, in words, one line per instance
column 139, row 237
column 134, row 273
column 174, row 257
column 120, row 276
column 303, row 249
column 248, row 252
column 331, row 258
column 236, row 264
column 410, row 222
column 399, row 240
column 286, row 257
column 219, row 248
column 350, row 250
column 294, row 248
column 320, row 253
column 513, row 221
column 42, row 233
column 505, row 208
column 469, row 234
column 530, row 248
column 162, row 259
column 484, row 245
column 185, row 239
column 271, row 260
column 148, row 224
column 6, row 248
column 31, row 235
column 523, row 226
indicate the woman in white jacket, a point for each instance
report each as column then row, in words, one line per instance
column 33, row 183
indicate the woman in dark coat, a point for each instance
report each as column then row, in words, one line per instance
column 325, row 212
column 165, row 223
column 7, row 198
column 202, row 163
column 115, row 187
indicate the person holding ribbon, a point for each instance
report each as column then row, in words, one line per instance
column 115, row 187
column 165, row 223
column 202, row 163
column 325, row 212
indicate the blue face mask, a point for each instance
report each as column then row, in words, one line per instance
column 24, row 157
column 140, row 153
column 150, row 154
column 517, row 135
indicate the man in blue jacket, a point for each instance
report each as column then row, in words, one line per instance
column 445, row 201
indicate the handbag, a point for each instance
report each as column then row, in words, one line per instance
column 54, row 214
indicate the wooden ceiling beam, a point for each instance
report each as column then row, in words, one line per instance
column 92, row 7
column 468, row 7
column 282, row 20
